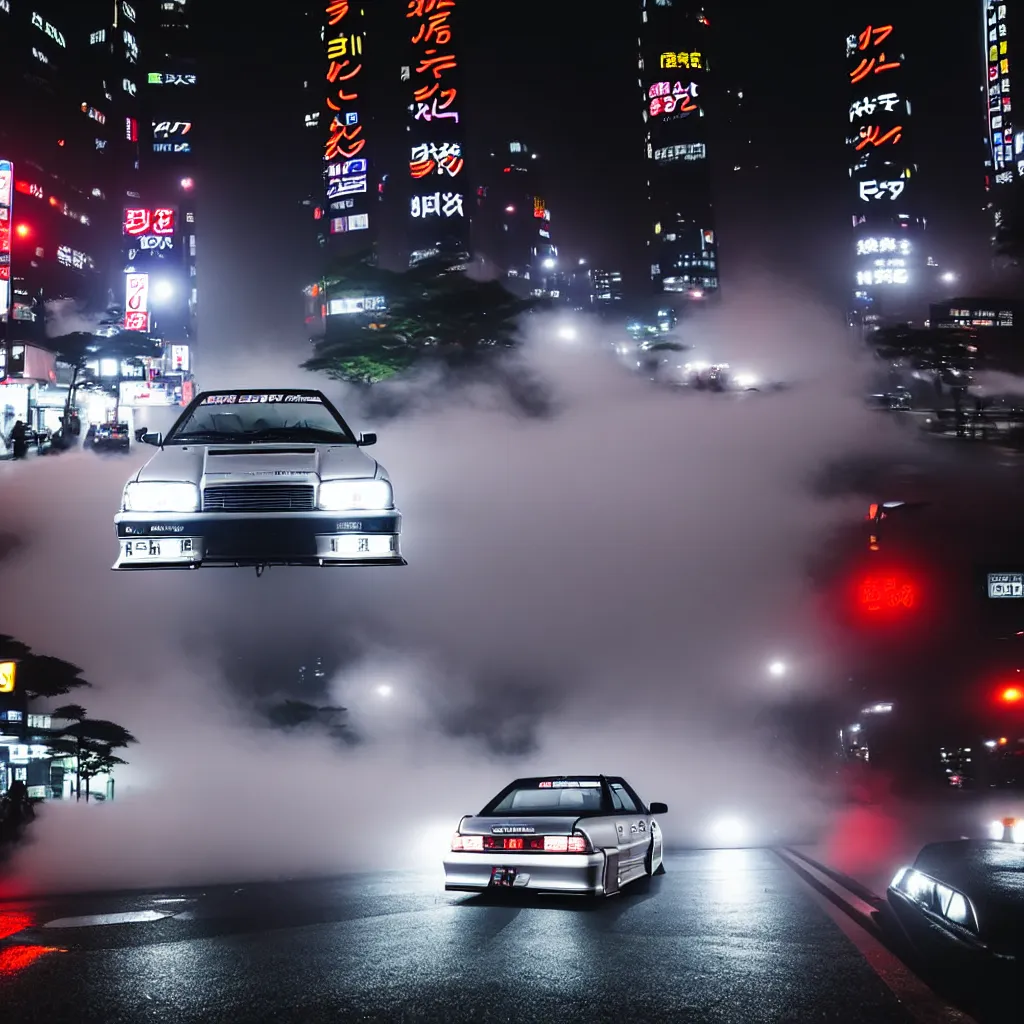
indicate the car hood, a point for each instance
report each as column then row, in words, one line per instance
column 259, row 463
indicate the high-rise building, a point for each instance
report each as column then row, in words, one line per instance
column 1004, row 176
column 512, row 224
column 68, row 160
column 891, row 275
column 605, row 288
column 675, row 76
column 160, row 224
column 433, row 37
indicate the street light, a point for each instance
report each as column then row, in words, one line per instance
column 384, row 690
column 548, row 263
column 949, row 277
column 777, row 669
column 567, row 333
column 163, row 290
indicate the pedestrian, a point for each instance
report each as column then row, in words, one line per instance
column 19, row 440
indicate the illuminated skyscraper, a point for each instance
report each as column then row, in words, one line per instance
column 512, row 224
column 891, row 277
column 439, row 199
column 677, row 80
column 1004, row 177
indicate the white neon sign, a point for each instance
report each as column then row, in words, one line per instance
column 437, row 204
column 881, row 189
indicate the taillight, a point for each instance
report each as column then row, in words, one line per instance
column 461, row 842
column 566, row 844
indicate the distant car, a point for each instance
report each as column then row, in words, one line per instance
column 109, row 437
column 258, row 478
column 1007, row 830
column 575, row 834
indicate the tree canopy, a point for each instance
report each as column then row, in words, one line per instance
column 40, row 676
column 433, row 309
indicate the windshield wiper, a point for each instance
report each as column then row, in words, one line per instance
column 202, row 435
column 295, row 434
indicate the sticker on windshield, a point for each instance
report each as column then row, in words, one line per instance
column 266, row 399
column 570, row 784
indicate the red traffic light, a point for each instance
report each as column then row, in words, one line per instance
column 22, row 230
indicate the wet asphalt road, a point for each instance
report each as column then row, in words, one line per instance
column 722, row 936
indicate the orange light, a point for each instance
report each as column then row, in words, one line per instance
column 1003, row 741
column 1012, row 695
column 22, row 230
column 54, row 201
column 873, row 511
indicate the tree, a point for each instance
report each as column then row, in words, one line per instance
column 81, row 347
column 40, row 676
column 433, row 309
column 91, row 741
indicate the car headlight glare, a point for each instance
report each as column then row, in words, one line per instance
column 935, row 897
column 161, row 496
column 347, row 495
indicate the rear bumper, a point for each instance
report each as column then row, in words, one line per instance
column 569, row 873
column 174, row 541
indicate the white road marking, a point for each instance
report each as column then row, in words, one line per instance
column 92, row 921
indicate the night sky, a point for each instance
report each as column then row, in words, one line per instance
column 562, row 79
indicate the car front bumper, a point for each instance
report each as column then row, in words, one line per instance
column 168, row 540
column 570, row 873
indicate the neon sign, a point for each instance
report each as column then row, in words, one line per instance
column 438, row 204
column 136, row 302
column 667, row 98
column 49, row 30
column 1005, row 156
column 868, row 246
column 687, row 151
column 347, row 173
column 171, row 129
column 161, row 78
column 691, row 61
column 6, row 199
column 869, row 104
column 883, row 275
column 872, row 135
column 871, row 38
column 68, row 257
column 881, row 189
column 142, row 221
column 436, row 158
column 433, row 37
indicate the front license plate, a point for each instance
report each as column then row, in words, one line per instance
column 503, row 878
column 157, row 550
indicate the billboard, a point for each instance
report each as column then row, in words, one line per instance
column 136, row 302
column 880, row 169
column 437, row 208
column 6, row 202
column 141, row 221
column 346, row 171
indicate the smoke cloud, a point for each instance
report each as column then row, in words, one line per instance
column 598, row 586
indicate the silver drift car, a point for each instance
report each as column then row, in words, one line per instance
column 574, row 834
column 258, row 478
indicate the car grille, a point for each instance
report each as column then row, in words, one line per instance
column 258, row 498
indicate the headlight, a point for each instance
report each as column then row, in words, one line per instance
column 940, row 899
column 158, row 496
column 343, row 495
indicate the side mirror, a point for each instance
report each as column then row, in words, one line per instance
column 156, row 439
column 657, row 808
column 366, row 439
column 140, row 433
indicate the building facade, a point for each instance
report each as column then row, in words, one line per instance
column 891, row 274
column 160, row 229
column 512, row 231
column 677, row 85
column 1004, row 163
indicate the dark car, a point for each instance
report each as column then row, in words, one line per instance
column 109, row 437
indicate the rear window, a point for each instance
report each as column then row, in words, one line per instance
column 548, row 797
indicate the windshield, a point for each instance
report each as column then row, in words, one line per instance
column 252, row 417
column 548, row 797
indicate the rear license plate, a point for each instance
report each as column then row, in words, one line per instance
column 503, row 878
